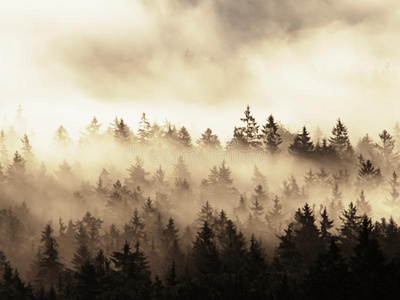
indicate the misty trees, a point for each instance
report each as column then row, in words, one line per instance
column 16, row 171
column 91, row 133
column 325, row 225
column 369, row 176
column 27, row 151
column 61, row 137
column 302, row 145
column 137, row 175
column 386, row 157
column 341, row 143
column 208, row 140
column 271, row 138
column 50, row 266
column 394, row 201
column 205, row 255
column 184, row 138
column 131, row 274
column 144, row 130
column 363, row 204
column 349, row 229
column 250, row 130
column 121, row 132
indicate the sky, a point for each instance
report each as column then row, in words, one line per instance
column 198, row 63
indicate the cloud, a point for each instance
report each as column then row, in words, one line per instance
column 293, row 58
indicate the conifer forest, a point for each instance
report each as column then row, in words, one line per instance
column 199, row 150
column 184, row 228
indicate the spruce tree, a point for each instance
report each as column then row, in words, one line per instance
column 144, row 131
column 250, row 130
column 302, row 145
column 369, row 176
column 275, row 217
column 259, row 178
column 205, row 254
column 394, row 201
column 208, row 140
column 50, row 266
column 341, row 143
column 349, row 229
column 325, row 225
column 122, row 133
column 184, row 138
column 137, row 175
column 386, row 156
column 61, row 137
column 363, row 204
column 206, row 214
column 271, row 138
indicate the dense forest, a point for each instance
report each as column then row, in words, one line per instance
column 148, row 212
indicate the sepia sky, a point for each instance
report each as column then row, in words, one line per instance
column 199, row 62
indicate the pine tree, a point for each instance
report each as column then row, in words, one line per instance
column 349, row 229
column 238, row 142
column 122, row 133
column 205, row 254
column 341, row 143
column 160, row 184
column 132, row 275
column 50, row 266
column 363, row 205
column 322, row 178
column 205, row 215
column 16, row 171
column 342, row 178
column 260, row 194
column 310, row 179
column 275, row 217
column 256, row 264
column 137, row 227
column 259, row 179
column 325, row 225
column 257, row 209
column 336, row 205
column 233, row 249
column 241, row 209
column 181, row 169
column 101, row 191
column 224, row 177
column 287, row 254
column 307, row 235
column 394, row 201
column 328, row 278
column 250, row 130
column 271, row 138
column 369, row 176
column 137, row 175
column 368, row 264
column 61, row 137
column 184, row 138
column 92, row 132
column 82, row 254
column 302, row 145
column 144, row 131
column 208, row 140
column 387, row 158
column 366, row 147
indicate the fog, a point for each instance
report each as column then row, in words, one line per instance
column 76, row 79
